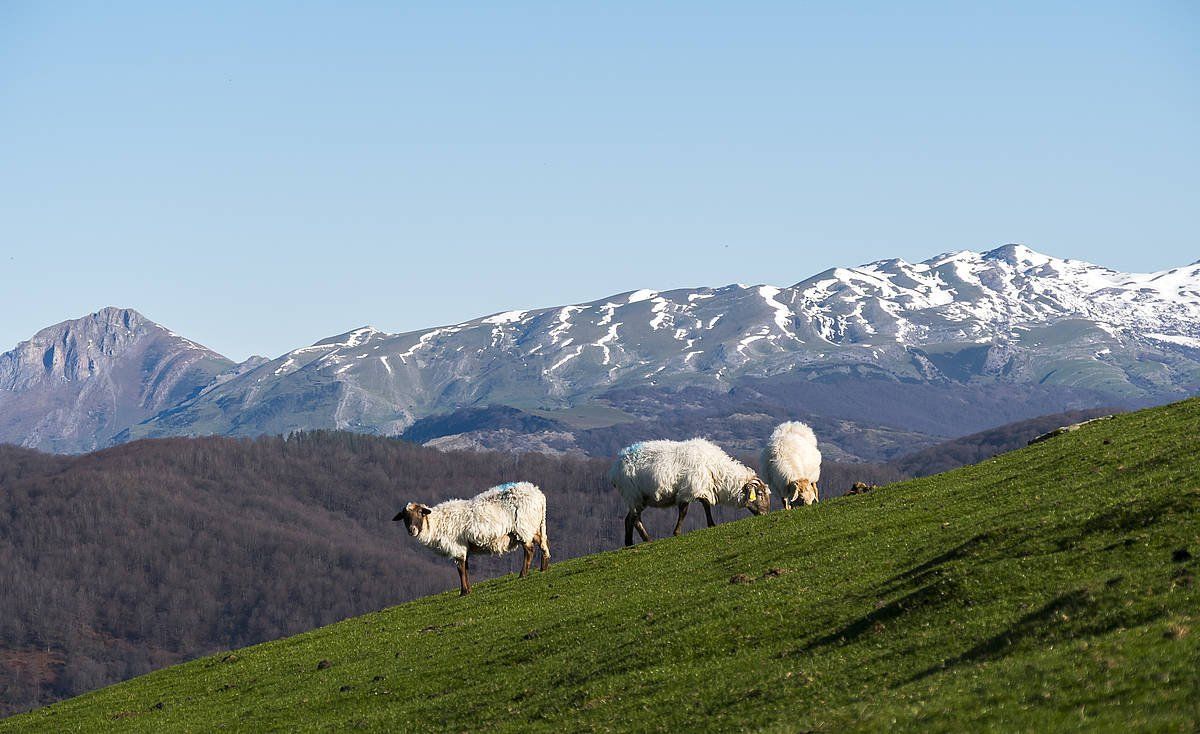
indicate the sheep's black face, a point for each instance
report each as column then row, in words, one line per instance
column 756, row 497
column 413, row 516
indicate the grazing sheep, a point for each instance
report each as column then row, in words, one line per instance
column 791, row 463
column 675, row 473
column 495, row 522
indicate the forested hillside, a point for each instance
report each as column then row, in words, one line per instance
column 124, row 560
column 1050, row 589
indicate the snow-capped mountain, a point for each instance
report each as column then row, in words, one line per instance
column 74, row 385
column 967, row 295
column 1080, row 333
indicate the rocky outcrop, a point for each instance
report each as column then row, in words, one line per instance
column 73, row 386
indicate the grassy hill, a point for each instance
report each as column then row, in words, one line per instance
column 1050, row 588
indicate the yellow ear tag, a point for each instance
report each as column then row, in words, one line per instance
column 753, row 495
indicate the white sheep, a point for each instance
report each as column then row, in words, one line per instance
column 494, row 522
column 675, row 473
column 791, row 463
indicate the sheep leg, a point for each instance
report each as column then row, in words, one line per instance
column 708, row 512
column 545, row 547
column 641, row 529
column 683, row 508
column 528, row 548
column 464, row 579
column 633, row 521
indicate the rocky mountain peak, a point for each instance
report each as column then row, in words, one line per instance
column 70, row 384
column 1017, row 256
column 80, row 348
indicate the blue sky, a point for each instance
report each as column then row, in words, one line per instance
column 257, row 178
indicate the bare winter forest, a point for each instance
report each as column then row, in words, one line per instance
column 125, row 560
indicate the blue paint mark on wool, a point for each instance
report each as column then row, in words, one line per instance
column 631, row 450
column 507, row 485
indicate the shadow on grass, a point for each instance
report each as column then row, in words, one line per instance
column 940, row 592
column 1132, row 515
column 1072, row 615
column 917, row 574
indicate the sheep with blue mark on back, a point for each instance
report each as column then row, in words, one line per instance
column 494, row 522
column 676, row 473
column 791, row 463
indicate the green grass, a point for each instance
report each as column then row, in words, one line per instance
column 1043, row 590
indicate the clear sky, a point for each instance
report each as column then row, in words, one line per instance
column 257, row 176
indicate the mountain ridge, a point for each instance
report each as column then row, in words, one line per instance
column 1048, row 333
column 1010, row 315
column 73, row 385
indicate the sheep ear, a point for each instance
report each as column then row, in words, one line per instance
column 425, row 510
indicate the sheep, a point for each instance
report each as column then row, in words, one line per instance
column 495, row 522
column 675, row 473
column 791, row 463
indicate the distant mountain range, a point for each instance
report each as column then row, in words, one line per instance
column 890, row 357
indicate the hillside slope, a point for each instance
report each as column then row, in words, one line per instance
column 984, row 445
column 1050, row 588
column 127, row 560
column 169, row 549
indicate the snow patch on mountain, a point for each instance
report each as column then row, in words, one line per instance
column 660, row 313
column 783, row 314
column 1185, row 341
column 605, row 340
column 508, row 317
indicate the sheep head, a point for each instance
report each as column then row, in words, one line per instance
column 802, row 490
column 413, row 515
column 756, row 496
